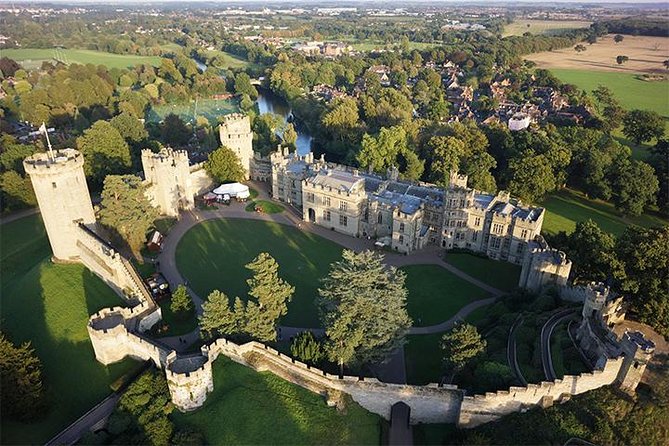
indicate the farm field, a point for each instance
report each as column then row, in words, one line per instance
column 49, row 305
column 545, row 27
column 212, row 109
column 32, row 58
column 249, row 407
column 567, row 207
column 601, row 56
column 632, row 92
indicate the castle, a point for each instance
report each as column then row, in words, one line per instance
column 235, row 133
column 412, row 216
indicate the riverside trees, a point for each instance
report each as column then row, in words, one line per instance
column 363, row 309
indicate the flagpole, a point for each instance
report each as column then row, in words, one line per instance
column 48, row 141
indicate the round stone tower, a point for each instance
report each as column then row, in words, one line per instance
column 63, row 198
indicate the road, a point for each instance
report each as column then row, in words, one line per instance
column 546, row 333
column 511, row 353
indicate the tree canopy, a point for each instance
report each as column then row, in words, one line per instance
column 224, row 165
column 105, row 152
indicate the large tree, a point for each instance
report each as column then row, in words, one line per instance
column 174, row 130
column 531, row 176
column 105, row 151
column 362, row 304
column 217, row 318
column 243, row 86
column 126, row 209
column 643, row 274
column 643, row 125
column 635, row 186
column 272, row 295
column 181, row 302
column 592, row 252
column 129, row 127
column 22, row 395
column 390, row 149
column 224, row 165
column 460, row 345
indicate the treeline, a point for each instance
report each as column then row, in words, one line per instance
column 636, row 26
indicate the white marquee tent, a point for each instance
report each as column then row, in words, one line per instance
column 235, row 190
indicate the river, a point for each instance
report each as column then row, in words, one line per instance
column 271, row 103
column 268, row 102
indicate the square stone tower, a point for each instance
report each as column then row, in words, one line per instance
column 63, row 198
column 235, row 133
column 169, row 174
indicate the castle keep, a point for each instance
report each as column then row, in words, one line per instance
column 235, row 133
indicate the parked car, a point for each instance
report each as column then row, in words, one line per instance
column 158, row 286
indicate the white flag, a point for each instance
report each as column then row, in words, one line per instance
column 42, row 128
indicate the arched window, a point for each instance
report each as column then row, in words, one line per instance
column 379, row 220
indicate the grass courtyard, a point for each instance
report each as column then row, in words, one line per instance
column 435, row 294
column 212, row 256
column 566, row 207
column 498, row 274
column 247, row 407
column 49, row 306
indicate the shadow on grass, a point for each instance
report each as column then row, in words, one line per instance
column 49, row 306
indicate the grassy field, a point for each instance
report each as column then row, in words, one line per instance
column 542, row 27
column 422, row 355
column 266, row 207
column 247, row 407
column 32, row 58
column 212, row 256
column 435, row 294
column 49, row 305
column 567, row 207
column 501, row 275
column 630, row 91
column 212, row 109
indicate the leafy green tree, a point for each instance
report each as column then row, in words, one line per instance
column 610, row 110
column 290, row 136
column 265, row 139
column 169, row 71
column 272, row 295
column 174, row 131
column 643, row 274
column 390, row 149
column 618, row 38
column 217, row 319
column 363, row 309
column 126, row 210
column 659, row 159
column 181, row 301
column 130, row 128
column 493, row 376
column 306, row 347
column 224, row 165
column 531, row 176
column 592, row 252
column 635, row 186
column 243, row 86
column 621, row 59
column 643, row 125
column 22, row 397
column 105, row 152
column 460, row 345
column 16, row 191
column 446, row 153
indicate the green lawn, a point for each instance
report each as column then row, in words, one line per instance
column 435, row 294
column 422, row 355
column 630, row 91
column 33, row 57
column 267, row 207
column 566, row 207
column 49, row 305
column 501, row 275
column 542, row 27
column 212, row 256
column 178, row 324
column 212, row 109
column 247, row 407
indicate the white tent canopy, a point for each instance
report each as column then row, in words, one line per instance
column 233, row 190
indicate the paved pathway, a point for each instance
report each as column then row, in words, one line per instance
column 511, row 352
column 17, row 215
column 395, row 369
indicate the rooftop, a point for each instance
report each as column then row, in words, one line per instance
column 336, row 179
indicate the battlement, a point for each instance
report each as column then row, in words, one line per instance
column 63, row 160
column 165, row 155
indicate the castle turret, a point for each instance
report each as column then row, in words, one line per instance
column 638, row 351
column 169, row 175
column 543, row 266
column 235, row 133
column 63, row 198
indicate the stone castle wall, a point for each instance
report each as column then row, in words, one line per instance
column 479, row 409
column 189, row 379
